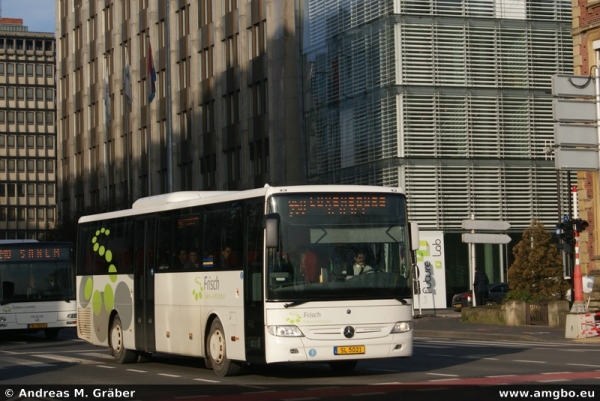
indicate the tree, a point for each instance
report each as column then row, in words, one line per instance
column 537, row 271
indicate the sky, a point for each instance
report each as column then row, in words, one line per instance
column 37, row 15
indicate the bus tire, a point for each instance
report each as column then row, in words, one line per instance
column 343, row 366
column 51, row 334
column 217, row 351
column 119, row 352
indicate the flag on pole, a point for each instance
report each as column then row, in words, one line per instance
column 151, row 75
column 127, row 82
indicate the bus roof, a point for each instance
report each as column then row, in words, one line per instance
column 183, row 199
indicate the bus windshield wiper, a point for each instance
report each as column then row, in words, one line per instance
column 295, row 303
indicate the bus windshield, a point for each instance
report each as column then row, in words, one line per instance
column 36, row 281
column 339, row 246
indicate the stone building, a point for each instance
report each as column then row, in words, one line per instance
column 27, row 131
column 225, row 115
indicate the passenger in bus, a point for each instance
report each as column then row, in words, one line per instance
column 224, row 258
column 182, row 258
column 308, row 265
column 193, row 262
column 32, row 293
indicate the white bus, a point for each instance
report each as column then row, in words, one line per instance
column 38, row 285
column 251, row 277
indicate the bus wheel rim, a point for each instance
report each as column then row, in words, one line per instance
column 217, row 345
column 116, row 339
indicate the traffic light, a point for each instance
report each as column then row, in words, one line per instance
column 560, row 230
column 568, row 233
column 580, row 225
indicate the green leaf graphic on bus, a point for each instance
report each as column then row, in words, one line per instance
column 198, row 293
column 101, row 298
column 6, row 310
column 106, row 253
column 293, row 318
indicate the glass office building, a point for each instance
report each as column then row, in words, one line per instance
column 450, row 99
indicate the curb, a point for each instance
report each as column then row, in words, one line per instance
column 482, row 336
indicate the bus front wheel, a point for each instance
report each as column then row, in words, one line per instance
column 217, row 351
column 121, row 354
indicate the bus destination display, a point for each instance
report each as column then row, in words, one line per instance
column 34, row 253
column 335, row 205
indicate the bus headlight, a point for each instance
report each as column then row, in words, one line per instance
column 402, row 327
column 72, row 316
column 285, row 331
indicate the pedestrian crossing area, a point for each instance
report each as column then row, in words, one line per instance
column 48, row 360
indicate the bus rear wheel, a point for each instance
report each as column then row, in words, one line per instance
column 342, row 366
column 217, row 351
column 117, row 346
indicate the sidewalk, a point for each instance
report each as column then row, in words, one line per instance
column 447, row 324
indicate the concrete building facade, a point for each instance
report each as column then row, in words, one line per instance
column 27, row 131
column 449, row 99
column 225, row 115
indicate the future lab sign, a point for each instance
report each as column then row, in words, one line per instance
column 431, row 271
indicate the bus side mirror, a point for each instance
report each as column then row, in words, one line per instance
column 414, row 236
column 272, row 230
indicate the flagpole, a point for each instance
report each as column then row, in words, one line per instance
column 107, row 127
column 148, row 112
column 168, row 99
column 128, row 100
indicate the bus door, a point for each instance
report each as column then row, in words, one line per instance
column 254, row 305
column 144, row 250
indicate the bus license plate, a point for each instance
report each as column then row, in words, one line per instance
column 38, row 325
column 356, row 349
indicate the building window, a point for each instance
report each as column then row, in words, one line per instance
column 29, row 93
column 2, row 115
column 2, row 166
column 50, row 214
column 39, row 118
column 10, row 93
column 49, row 118
column 2, row 92
column 10, row 189
column 21, row 189
column 39, row 94
column 40, row 166
column 30, row 214
column 39, row 70
column 30, row 165
column 20, row 69
column 49, row 142
column 39, row 142
column 2, row 190
column 49, row 94
column 50, row 190
column 11, row 117
column 40, row 214
column 20, row 141
column 20, row 93
column 30, row 119
column 30, row 190
column 29, row 70
column 11, row 141
column 49, row 166
column 20, row 117
column 21, row 214
column 10, row 69
column 21, row 166
column 11, row 214
column 49, row 70
column 40, row 190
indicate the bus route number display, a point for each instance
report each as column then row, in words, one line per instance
column 337, row 205
column 26, row 254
